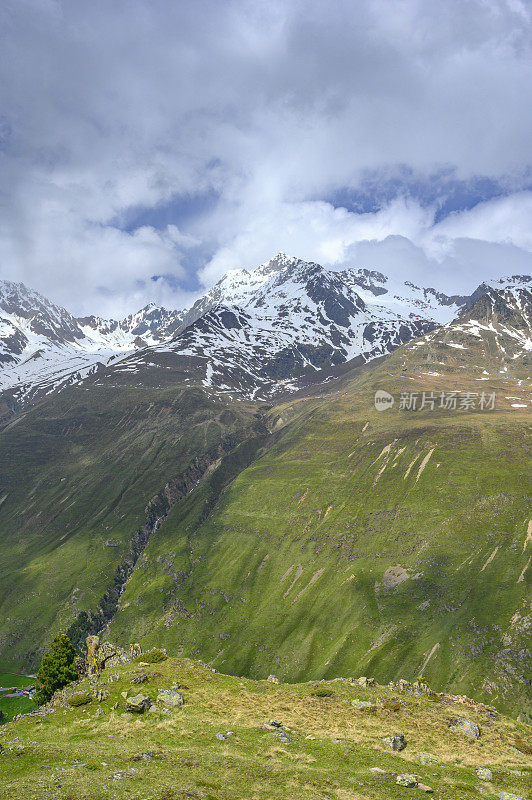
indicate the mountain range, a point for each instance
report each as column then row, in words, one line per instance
column 257, row 332
column 220, row 481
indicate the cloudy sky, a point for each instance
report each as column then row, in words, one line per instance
column 147, row 146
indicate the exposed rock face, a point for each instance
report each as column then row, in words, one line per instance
column 81, row 666
column 417, row 689
column 366, row 682
column 93, row 643
column 103, row 655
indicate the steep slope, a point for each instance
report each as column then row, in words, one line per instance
column 394, row 542
column 84, row 480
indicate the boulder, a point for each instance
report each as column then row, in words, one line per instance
column 139, row 678
column 362, row 703
column 366, row 682
column 420, row 689
column 135, row 650
column 484, row 774
column 424, row 788
column 138, row 704
column 170, row 698
column 397, row 741
column 273, row 679
column 109, row 655
column 465, row 726
column 510, row 796
column 427, row 758
column 407, row 780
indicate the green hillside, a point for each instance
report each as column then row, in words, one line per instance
column 312, row 538
column 76, row 476
column 221, row 744
column 395, row 543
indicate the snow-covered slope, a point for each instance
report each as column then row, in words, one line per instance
column 257, row 332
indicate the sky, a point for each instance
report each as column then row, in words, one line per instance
column 148, row 146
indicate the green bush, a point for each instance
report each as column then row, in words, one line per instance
column 322, row 692
column 57, row 669
column 152, row 657
column 80, row 699
column 391, row 705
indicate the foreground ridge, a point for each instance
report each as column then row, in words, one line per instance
column 172, row 728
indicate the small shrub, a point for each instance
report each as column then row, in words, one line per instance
column 152, row 657
column 80, row 699
column 320, row 691
column 391, row 705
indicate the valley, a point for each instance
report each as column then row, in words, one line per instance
column 191, row 495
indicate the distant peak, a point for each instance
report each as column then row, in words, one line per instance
column 277, row 263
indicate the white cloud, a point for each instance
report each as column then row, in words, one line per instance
column 113, row 106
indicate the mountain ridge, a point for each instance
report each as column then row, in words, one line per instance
column 310, row 317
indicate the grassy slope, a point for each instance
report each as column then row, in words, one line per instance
column 75, row 753
column 286, row 574
column 76, row 474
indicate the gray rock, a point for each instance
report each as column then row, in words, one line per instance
column 363, row 681
column 407, row 780
column 465, row 726
column 420, row 689
column 273, row 679
column 170, row 698
column 275, row 723
column 141, row 677
column 424, row 788
column 396, row 742
column 427, row 758
column 510, row 796
column 138, row 704
column 220, row 736
column 361, row 703
column 484, row 774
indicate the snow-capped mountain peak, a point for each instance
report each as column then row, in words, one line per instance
column 256, row 331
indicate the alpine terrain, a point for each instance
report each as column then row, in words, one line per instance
column 308, row 473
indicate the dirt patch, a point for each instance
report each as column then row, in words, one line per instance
column 424, row 463
column 490, row 559
column 394, row 576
